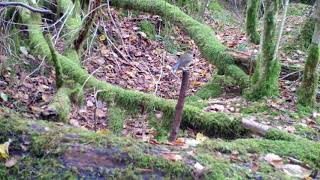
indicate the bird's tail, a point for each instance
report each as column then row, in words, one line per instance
column 176, row 67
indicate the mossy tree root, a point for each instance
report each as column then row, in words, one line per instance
column 36, row 41
column 265, row 78
column 203, row 35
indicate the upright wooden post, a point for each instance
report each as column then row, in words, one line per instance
column 175, row 126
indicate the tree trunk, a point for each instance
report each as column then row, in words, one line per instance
column 252, row 21
column 305, row 36
column 308, row 90
column 265, row 78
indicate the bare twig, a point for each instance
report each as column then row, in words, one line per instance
column 115, row 24
column 33, row 9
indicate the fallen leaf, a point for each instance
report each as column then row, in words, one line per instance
column 4, row 149
column 198, row 167
column 11, row 161
column 3, row 96
column 274, row 160
column 290, row 129
column 74, row 123
column 102, row 37
column 180, row 141
column 234, row 156
column 192, row 142
column 103, row 131
column 172, row 157
column 297, row 171
column 200, row 137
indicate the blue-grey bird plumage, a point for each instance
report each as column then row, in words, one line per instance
column 183, row 61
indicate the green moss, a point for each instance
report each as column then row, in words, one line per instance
column 306, row 33
column 215, row 6
column 61, row 104
column 307, row 132
column 256, row 107
column 215, row 87
column 48, row 143
column 308, row 89
column 297, row 9
column 73, row 19
column 190, row 6
column 148, row 28
column 304, row 150
column 196, row 101
column 116, row 117
column 275, row 134
column 252, row 21
column 33, row 167
column 265, row 78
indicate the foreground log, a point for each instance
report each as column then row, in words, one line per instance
column 49, row 150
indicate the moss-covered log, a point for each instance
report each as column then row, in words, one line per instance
column 202, row 34
column 307, row 151
column 252, row 21
column 46, row 150
column 265, row 78
column 50, row 151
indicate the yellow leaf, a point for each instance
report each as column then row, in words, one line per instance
column 200, row 137
column 4, row 149
column 103, row 131
column 102, row 37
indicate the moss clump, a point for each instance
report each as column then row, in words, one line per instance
column 215, row 6
column 275, row 134
column 215, row 87
column 148, row 28
column 308, row 89
column 297, row 9
column 116, row 118
column 196, row 101
column 304, row 150
column 252, row 21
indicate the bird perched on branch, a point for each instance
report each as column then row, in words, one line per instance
column 183, row 61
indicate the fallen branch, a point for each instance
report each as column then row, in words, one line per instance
column 33, row 9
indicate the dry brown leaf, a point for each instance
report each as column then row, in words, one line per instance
column 172, row 157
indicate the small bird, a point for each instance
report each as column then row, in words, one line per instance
column 184, row 60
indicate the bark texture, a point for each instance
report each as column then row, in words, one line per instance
column 265, row 78
column 252, row 21
column 308, row 90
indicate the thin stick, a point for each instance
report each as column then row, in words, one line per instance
column 43, row 11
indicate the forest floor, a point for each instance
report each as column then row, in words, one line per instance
column 139, row 54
